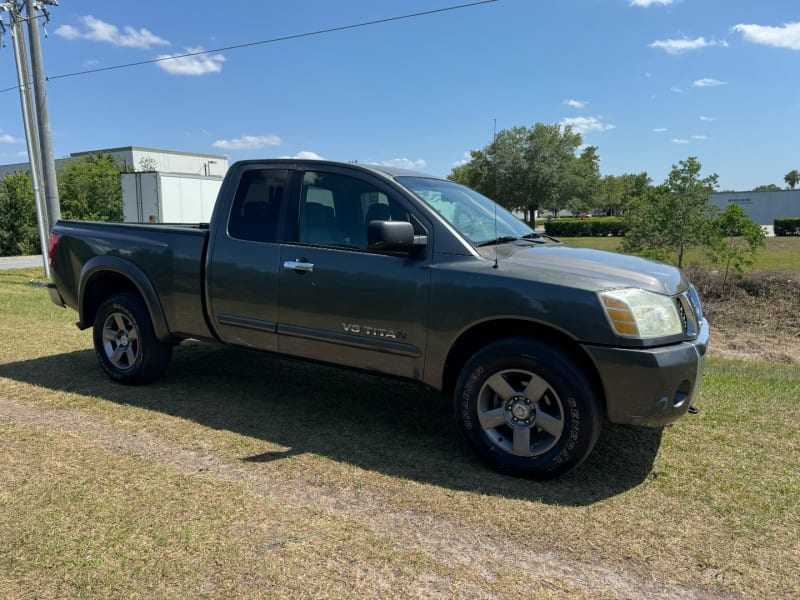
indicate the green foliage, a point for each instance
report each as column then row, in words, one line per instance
column 593, row 227
column 792, row 178
column 734, row 240
column 787, row 226
column 769, row 187
column 673, row 217
column 90, row 189
column 615, row 193
column 528, row 168
column 19, row 231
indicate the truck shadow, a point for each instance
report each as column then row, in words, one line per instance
column 389, row 426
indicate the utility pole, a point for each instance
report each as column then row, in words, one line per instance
column 48, row 162
column 29, row 116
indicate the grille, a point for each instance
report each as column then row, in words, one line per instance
column 689, row 313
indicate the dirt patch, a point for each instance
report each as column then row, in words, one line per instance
column 755, row 316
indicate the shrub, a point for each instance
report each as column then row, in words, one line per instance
column 787, row 226
column 592, row 227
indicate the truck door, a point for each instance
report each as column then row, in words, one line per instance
column 339, row 301
column 242, row 271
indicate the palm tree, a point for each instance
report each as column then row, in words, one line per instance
column 792, row 178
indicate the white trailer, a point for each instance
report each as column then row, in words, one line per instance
column 155, row 197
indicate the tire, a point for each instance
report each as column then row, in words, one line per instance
column 125, row 342
column 527, row 408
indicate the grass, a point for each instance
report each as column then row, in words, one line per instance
column 244, row 475
column 780, row 252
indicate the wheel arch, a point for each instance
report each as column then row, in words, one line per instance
column 103, row 277
column 482, row 334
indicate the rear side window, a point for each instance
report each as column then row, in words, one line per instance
column 257, row 203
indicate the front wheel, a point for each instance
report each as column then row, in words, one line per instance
column 125, row 342
column 527, row 408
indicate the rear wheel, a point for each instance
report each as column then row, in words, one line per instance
column 125, row 341
column 527, row 408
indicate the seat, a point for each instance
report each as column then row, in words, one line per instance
column 378, row 212
column 317, row 224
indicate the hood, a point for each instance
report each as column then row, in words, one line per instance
column 595, row 269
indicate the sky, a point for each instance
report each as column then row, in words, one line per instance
column 648, row 82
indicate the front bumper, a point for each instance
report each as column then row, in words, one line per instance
column 651, row 386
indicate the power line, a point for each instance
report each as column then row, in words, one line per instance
column 269, row 41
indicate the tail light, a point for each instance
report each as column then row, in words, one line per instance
column 51, row 248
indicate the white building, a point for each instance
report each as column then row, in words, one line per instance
column 762, row 207
column 148, row 159
column 167, row 186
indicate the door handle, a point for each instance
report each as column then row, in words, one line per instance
column 299, row 266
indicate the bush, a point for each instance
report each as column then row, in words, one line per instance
column 592, row 227
column 787, row 226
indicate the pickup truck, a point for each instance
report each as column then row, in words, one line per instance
column 405, row 275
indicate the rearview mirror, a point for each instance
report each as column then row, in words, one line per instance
column 393, row 236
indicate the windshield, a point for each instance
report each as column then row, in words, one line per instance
column 474, row 216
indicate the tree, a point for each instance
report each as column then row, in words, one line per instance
column 579, row 181
column 769, row 187
column 90, row 189
column 525, row 168
column 19, row 231
column 792, row 178
column 735, row 240
column 673, row 217
column 616, row 192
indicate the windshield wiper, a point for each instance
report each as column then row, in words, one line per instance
column 503, row 239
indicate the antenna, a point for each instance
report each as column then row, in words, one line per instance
column 494, row 160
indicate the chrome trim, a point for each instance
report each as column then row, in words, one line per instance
column 295, row 265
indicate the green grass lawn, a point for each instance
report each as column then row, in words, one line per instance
column 244, row 475
column 779, row 253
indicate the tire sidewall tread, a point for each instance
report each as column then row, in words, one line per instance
column 582, row 413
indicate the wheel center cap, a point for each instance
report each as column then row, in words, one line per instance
column 123, row 339
column 521, row 409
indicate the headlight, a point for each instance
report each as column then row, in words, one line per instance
column 639, row 314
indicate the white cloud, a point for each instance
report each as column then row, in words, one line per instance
column 708, row 82
column 304, row 155
column 200, row 64
column 585, row 125
column 467, row 158
column 787, row 36
column 68, row 32
column 307, row 155
column 575, row 103
column 248, row 142
column 700, row 137
column 660, row 129
column 679, row 141
column 685, row 44
column 100, row 31
column 646, row 3
column 675, row 90
column 707, row 119
column 405, row 163
column 7, row 138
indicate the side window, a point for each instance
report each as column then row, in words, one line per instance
column 336, row 209
column 256, row 205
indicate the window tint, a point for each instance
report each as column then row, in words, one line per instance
column 336, row 209
column 256, row 205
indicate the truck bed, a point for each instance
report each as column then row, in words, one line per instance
column 168, row 257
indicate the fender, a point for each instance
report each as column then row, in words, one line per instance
column 136, row 276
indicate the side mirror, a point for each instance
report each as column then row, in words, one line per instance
column 393, row 236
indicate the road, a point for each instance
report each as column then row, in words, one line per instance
column 20, row 262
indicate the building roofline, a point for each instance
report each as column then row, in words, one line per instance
column 143, row 149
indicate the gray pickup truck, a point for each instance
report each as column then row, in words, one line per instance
column 405, row 275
